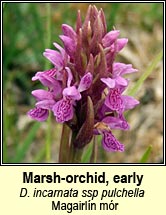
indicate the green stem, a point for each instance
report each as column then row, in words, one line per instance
column 93, row 158
column 64, row 144
column 75, row 153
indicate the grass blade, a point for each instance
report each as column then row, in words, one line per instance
column 144, row 76
column 21, row 152
column 87, row 154
column 146, row 155
column 40, row 155
column 93, row 158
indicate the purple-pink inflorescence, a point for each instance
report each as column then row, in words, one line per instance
column 85, row 86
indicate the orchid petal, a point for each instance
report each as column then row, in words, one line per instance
column 50, row 72
column 54, row 57
column 110, row 143
column 129, row 102
column 69, row 45
column 114, row 100
column 68, row 31
column 48, row 81
column 70, row 76
column 63, row 110
column 85, row 82
column 38, row 114
column 120, row 44
column 62, row 51
column 46, row 104
column 121, row 69
column 116, row 123
column 110, row 38
column 65, row 56
column 109, row 82
column 121, row 81
column 72, row 92
column 42, row 94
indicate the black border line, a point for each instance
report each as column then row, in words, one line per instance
column 83, row 164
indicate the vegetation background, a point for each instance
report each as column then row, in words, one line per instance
column 29, row 28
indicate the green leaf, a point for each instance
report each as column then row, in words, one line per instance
column 21, row 152
column 145, row 75
column 146, row 155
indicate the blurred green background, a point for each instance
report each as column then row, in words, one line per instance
column 29, row 28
